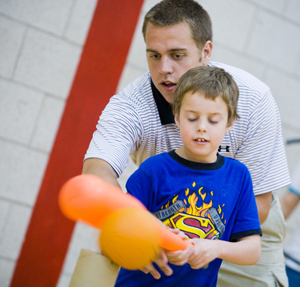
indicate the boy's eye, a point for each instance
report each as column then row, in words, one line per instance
column 213, row 121
column 192, row 119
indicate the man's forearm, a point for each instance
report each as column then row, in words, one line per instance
column 101, row 169
column 288, row 203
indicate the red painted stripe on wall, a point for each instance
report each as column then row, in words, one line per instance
column 98, row 73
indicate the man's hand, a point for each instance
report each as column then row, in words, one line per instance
column 263, row 202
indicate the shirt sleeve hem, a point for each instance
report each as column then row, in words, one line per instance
column 238, row 235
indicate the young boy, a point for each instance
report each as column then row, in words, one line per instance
column 196, row 190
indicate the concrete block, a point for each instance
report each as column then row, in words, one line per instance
column 286, row 93
column 232, row 21
column 80, row 20
column 21, row 170
column 49, row 15
column 128, row 171
column 296, row 69
column 4, row 210
column 47, row 63
column 11, row 36
column 239, row 60
column 292, row 150
column 273, row 5
column 47, row 124
column 129, row 74
column 291, row 10
column 6, row 270
column 19, row 109
column 269, row 41
column 14, row 231
column 148, row 4
column 137, row 52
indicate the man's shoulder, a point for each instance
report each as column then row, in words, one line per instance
column 138, row 88
column 244, row 79
column 136, row 94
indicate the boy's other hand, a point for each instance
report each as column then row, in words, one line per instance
column 205, row 252
column 162, row 263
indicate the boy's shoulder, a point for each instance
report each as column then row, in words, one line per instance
column 155, row 160
column 234, row 163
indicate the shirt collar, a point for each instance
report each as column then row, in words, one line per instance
column 164, row 109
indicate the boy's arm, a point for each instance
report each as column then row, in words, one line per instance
column 246, row 251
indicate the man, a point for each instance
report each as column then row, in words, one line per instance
column 139, row 122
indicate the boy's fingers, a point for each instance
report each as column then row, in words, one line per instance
column 151, row 269
column 162, row 263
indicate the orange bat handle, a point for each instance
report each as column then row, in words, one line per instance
column 88, row 198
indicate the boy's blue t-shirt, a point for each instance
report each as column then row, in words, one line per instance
column 211, row 201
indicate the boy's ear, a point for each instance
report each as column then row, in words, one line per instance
column 229, row 127
column 176, row 120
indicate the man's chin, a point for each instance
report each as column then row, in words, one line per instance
column 168, row 97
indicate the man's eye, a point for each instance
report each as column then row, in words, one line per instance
column 154, row 56
column 177, row 56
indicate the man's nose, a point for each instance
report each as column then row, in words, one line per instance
column 166, row 65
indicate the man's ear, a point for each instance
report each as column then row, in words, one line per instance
column 206, row 52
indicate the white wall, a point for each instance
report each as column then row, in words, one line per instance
column 40, row 45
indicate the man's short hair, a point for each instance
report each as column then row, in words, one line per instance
column 212, row 82
column 172, row 12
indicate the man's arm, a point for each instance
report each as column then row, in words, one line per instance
column 288, row 203
column 263, row 203
column 101, row 169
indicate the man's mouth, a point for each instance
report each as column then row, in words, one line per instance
column 168, row 84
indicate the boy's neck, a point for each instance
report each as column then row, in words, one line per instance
column 184, row 153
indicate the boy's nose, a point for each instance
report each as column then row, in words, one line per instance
column 202, row 126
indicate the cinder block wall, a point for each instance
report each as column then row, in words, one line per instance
column 40, row 46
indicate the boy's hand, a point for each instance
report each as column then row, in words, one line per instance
column 205, row 252
column 180, row 257
column 162, row 263
column 164, row 256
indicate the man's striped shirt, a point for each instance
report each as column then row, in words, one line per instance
column 138, row 122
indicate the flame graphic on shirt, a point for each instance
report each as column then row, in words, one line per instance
column 197, row 219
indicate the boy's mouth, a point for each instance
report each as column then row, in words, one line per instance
column 201, row 140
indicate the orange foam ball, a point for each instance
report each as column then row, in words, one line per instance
column 130, row 238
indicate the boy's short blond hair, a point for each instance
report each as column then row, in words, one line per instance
column 212, row 82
